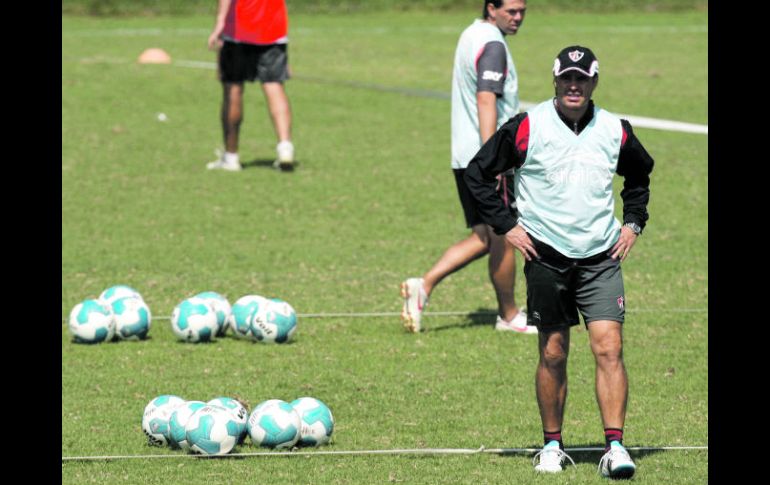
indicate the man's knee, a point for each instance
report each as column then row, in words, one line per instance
column 608, row 346
column 553, row 357
column 608, row 354
column 554, row 349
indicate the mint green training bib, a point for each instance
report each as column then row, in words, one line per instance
column 466, row 138
column 564, row 189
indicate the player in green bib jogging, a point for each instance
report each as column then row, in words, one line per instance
column 565, row 153
column 485, row 94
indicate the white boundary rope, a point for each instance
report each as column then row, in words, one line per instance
column 406, row 451
column 449, row 313
column 458, row 313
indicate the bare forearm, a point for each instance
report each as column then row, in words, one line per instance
column 224, row 6
column 487, row 106
column 214, row 41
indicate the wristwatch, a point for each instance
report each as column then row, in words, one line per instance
column 634, row 227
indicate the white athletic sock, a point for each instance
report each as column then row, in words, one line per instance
column 231, row 158
column 285, row 145
column 285, row 151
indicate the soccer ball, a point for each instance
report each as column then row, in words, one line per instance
column 317, row 421
column 177, row 436
column 237, row 409
column 156, row 416
column 274, row 424
column 275, row 322
column 221, row 307
column 132, row 318
column 211, row 430
column 194, row 320
column 242, row 314
column 91, row 322
column 117, row 292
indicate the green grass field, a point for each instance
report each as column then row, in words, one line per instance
column 372, row 202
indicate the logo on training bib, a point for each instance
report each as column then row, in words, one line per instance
column 581, row 169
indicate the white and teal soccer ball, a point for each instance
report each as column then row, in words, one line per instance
column 274, row 424
column 221, row 307
column 211, row 430
column 132, row 318
column 156, row 416
column 177, row 435
column 117, row 292
column 194, row 320
column 242, row 314
column 275, row 322
column 91, row 322
column 237, row 409
column 317, row 421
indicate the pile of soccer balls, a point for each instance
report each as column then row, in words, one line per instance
column 207, row 315
column 120, row 312
column 217, row 426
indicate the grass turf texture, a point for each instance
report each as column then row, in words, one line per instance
column 206, row 7
column 372, row 202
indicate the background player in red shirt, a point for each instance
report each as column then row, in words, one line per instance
column 252, row 38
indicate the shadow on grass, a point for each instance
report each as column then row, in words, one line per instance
column 479, row 317
column 264, row 163
column 246, row 341
column 587, row 456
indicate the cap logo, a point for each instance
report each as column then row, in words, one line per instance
column 575, row 55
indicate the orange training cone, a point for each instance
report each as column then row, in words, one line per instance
column 154, row 56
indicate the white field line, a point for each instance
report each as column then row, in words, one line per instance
column 408, row 451
column 636, row 121
column 196, row 64
column 666, row 125
column 654, row 123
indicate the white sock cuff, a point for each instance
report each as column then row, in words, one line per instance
column 231, row 158
column 286, row 144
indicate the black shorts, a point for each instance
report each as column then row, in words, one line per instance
column 239, row 62
column 472, row 216
column 558, row 287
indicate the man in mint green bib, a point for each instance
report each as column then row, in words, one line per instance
column 565, row 153
column 485, row 94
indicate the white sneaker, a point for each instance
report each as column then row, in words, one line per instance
column 552, row 458
column 285, row 160
column 221, row 164
column 517, row 324
column 415, row 300
column 617, row 463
